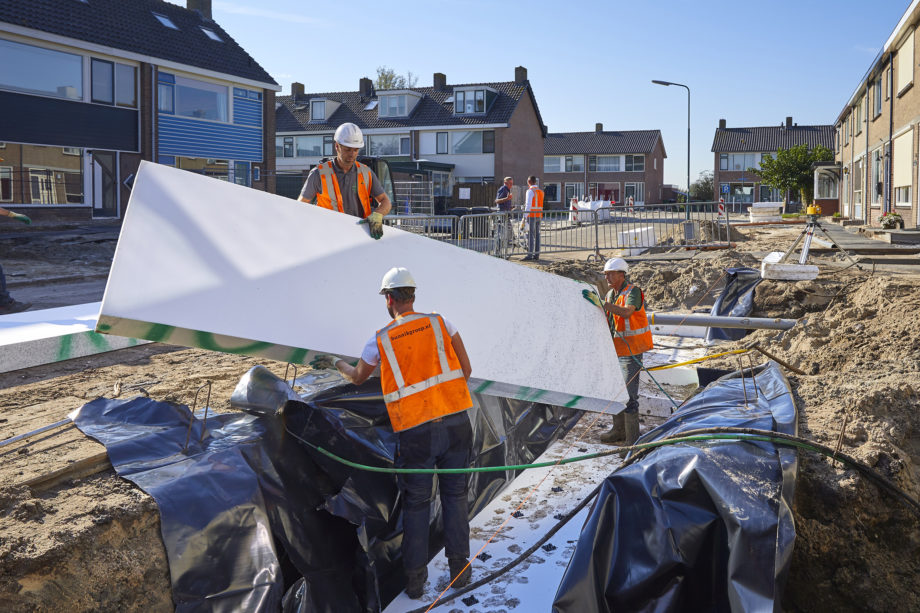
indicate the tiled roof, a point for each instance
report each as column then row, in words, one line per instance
column 129, row 25
column 432, row 110
column 772, row 138
column 631, row 141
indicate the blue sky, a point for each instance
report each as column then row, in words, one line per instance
column 751, row 63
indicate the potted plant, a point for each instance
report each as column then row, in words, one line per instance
column 891, row 220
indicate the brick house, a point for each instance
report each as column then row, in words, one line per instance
column 453, row 134
column 92, row 87
column 611, row 165
column 736, row 150
column 877, row 132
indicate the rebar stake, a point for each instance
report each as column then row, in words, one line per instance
column 289, row 365
column 191, row 421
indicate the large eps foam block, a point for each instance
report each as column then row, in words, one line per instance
column 205, row 263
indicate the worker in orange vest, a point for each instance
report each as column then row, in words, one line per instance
column 347, row 186
column 424, row 370
column 624, row 306
column 533, row 214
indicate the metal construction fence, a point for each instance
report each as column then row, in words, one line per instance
column 413, row 197
column 505, row 234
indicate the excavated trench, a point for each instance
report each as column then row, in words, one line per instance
column 92, row 542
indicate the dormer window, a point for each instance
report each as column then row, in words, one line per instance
column 393, row 105
column 473, row 101
column 318, row 110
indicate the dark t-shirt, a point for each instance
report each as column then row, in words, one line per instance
column 348, row 184
column 503, row 192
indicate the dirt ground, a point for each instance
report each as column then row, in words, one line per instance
column 92, row 542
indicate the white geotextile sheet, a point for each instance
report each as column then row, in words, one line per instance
column 206, row 263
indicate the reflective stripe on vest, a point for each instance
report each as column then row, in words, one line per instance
column 536, row 204
column 421, row 401
column 331, row 195
column 635, row 337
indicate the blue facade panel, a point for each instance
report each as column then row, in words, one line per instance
column 247, row 112
column 183, row 136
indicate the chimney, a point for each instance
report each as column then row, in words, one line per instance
column 366, row 87
column 721, row 124
column 440, row 80
column 520, row 75
column 788, row 122
column 202, row 6
column 598, row 127
column 296, row 89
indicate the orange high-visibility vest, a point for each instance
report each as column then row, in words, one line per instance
column 331, row 196
column 420, row 372
column 630, row 336
column 536, row 205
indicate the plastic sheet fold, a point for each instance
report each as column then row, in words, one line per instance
column 695, row 527
column 255, row 520
column 736, row 300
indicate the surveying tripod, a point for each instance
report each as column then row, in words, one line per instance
column 812, row 224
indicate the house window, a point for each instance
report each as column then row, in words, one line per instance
column 383, row 144
column 552, row 163
column 6, row 183
column 200, row 100
column 488, row 141
column 857, row 114
column 393, row 105
column 166, row 21
column 440, row 183
column 888, row 83
column 318, row 110
column 442, row 142
column 42, row 187
column 125, row 85
column 723, row 161
column 604, row 163
column 905, row 59
column 857, row 182
column 736, row 161
column 575, row 163
column 467, row 142
column 902, row 195
column 877, row 95
column 574, row 190
column 635, row 163
column 284, row 146
column 71, row 151
column 211, row 34
column 41, row 71
column 470, row 101
column 404, row 145
column 636, row 190
column 103, row 81
column 241, row 173
column 328, row 145
column 165, row 102
column 551, row 192
column 309, row 146
column 769, row 194
column 609, row 192
column 875, row 191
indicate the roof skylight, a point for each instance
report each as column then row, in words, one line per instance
column 371, row 105
column 211, row 34
column 166, row 21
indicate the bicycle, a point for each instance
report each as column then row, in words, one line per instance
column 509, row 236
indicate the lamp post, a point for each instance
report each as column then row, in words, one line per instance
column 666, row 83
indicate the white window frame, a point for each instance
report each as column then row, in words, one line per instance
column 437, row 143
column 629, row 165
column 902, row 196
column 384, row 109
column 578, row 190
column 857, row 118
column 575, row 163
column 905, row 55
column 638, row 189
column 877, row 96
column 314, row 116
column 558, row 191
column 557, row 167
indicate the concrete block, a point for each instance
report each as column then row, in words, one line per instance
column 770, row 268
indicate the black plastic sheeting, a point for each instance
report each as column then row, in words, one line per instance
column 736, row 300
column 254, row 520
column 695, row 527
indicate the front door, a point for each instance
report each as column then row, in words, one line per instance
column 105, row 184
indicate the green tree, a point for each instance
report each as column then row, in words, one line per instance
column 388, row 79
column 791, row 170
column 702, row 189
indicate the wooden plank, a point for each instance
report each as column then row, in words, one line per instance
column 80, row 468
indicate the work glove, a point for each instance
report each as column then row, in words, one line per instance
column 20, row 217
column 592, row 297
column 325, row 361
column 375, row 224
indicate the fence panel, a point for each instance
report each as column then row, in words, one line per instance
column 438, row 227
column 414, row 197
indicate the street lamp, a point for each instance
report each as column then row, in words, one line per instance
column 666, row 83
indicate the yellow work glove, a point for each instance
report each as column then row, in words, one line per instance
column 592, row 297
column 374, row 223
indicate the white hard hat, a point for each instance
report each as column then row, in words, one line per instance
column 349, row 135
column 616, row 264
column 395, row 278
